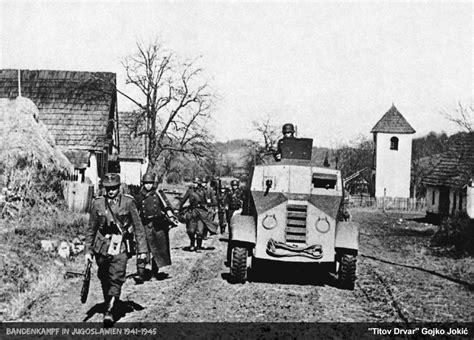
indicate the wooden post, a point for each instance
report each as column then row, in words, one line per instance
column 383, row 202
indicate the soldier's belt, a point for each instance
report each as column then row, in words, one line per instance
column 280, row 249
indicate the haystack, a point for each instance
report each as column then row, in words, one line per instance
column 24, row 137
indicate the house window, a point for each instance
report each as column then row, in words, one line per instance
column 394, row 143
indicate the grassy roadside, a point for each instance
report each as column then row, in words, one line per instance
column 29, row 274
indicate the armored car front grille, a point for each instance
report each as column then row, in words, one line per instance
column 295, row 230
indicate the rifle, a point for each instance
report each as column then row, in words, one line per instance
column 169, row 215
column 86, row 282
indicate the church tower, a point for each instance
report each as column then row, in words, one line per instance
column 393, row 143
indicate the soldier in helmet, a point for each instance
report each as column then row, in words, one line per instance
column 152, row 214
column 288, row 131
column 233, row 202
column 221, row 211
column 110, row 218
column 196, row 216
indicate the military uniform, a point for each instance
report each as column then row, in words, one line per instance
column 233, row 201
column 156, row 229
column 196, row 216
column 288, row 131
column 110, row 218
column 221, row 209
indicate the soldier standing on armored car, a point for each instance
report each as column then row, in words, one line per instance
column 288, row 131
column 152, row 214
column 110, row 217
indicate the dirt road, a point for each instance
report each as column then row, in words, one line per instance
column 196, row 286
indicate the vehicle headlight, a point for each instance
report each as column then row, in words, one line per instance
column 269, row 222
column 323, row 225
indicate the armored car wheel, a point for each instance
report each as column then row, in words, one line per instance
column 346, row 271
column 238, row 263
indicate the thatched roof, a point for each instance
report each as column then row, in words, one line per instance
column 132, row 147
column 393, row 122
column 77, row 107
column 24, row 137
column 455, row 167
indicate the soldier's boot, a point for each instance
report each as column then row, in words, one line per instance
column 108, row 316
column 199, row 245
column 192, row 246
column 155, row 270
column 140, row 277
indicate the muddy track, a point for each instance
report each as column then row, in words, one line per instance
column 389, row 292
column 196, row 288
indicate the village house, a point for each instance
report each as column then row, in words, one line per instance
column 80, row 111
column 449, row 187
column 132, row 150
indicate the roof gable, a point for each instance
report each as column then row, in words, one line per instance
column 456, row 166
column 77, row 107
column 393, row 122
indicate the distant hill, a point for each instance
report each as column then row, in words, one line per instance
column 235, row 151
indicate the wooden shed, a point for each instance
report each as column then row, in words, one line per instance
column 78, row 108
column 449, row 185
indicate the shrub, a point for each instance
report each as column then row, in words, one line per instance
column 456, row 231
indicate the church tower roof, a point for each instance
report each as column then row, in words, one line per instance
column 393, row 122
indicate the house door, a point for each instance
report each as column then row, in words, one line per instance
column 444, row 201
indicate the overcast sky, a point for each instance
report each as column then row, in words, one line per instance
column 333, row 69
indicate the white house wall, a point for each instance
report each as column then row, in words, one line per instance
column 470, row 201
column 91, row 171
column 393, row 166
column 454, row 198
column 130, row 172
column 432, row 206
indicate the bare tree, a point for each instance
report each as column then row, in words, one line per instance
column 173, row 104
column 270, row 135
column 463, row 116
column 355, row 157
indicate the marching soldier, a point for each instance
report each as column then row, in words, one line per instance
column 221, row 194
column 288, row 131
column 233, row 201
column 196, row 216
column 111, row 216
column 209, row 194
column 152, row 214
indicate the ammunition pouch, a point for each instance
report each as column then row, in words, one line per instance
column 130, row 244
column 101, row 244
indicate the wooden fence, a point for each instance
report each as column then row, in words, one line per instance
column 388, row 203
column 78, row 196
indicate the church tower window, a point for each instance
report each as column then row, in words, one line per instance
column 394, row 143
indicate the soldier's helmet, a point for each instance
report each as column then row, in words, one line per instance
column 288, row 127
column 197, row 180
column 111, row 180
column 148, row 178
column 234, row 183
